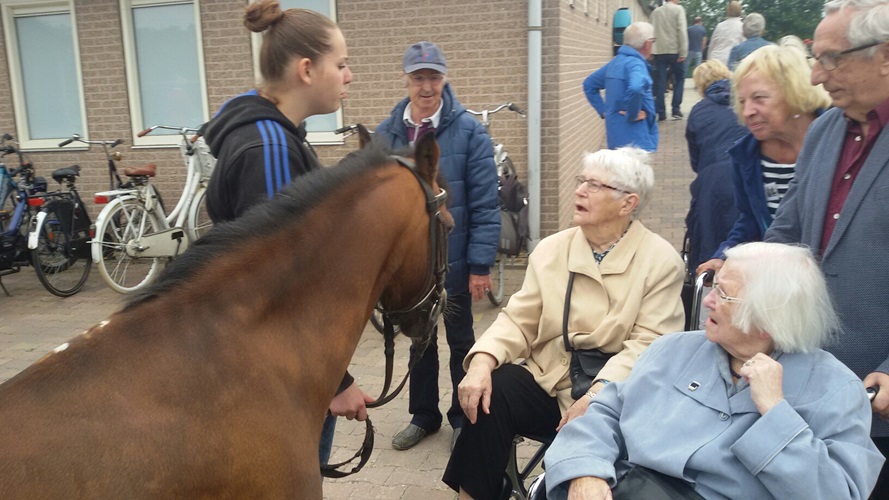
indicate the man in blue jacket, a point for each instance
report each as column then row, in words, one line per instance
column 628, row 108
column 467, row 163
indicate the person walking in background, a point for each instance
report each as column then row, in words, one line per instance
column 697, row 43
column 837, row 203
column 467, row 163
column 772, row 95
column 712, row 128
column 753, row 26
column 670, row 50
column 304, row 67
column 628, row 107
column 727, row 34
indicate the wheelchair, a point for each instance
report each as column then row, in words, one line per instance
column 515, row 479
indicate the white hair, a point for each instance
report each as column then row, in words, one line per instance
column 637, row 34
column 784, row 295
column 753, row 25
column 869, row 21
column 627, row 168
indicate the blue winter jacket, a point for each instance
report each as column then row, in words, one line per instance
column 627, row 82
column 467, row 163
column 711, row 130
column 750, row 195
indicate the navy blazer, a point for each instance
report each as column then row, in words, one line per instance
column 856, row 260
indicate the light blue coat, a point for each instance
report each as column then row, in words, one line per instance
column 673, row 414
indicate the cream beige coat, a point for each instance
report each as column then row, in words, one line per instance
column 620, row 306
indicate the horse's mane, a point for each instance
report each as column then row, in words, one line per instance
column 292, row 202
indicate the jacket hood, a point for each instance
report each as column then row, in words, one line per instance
column 245, row 109
column 720, row 92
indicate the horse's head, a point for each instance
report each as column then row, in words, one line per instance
column 417, row 316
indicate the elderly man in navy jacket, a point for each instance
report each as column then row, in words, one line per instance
column 467, row 163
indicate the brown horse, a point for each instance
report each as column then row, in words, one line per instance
column 215, row 383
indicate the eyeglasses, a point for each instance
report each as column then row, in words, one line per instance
column 420, row 80
column 594, row 186
column 831, row 60
column 723, row 297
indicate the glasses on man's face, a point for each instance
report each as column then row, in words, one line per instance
column 831, row 60
column 594, row 186
column 420, row 80
column 722, row 296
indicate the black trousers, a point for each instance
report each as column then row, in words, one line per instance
column 881, row 491
column 518, row 406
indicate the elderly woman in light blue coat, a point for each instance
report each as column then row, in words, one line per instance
column 750, row 408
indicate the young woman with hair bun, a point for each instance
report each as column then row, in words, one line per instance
column 259, row 138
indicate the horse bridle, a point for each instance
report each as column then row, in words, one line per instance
column 430, row 305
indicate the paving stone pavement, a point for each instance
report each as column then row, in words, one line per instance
column 32, row 322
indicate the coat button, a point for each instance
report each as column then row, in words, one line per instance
column 723, row 416
column 564, row 361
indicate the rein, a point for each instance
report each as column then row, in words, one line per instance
column 431, row 304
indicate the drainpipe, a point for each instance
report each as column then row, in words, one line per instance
column 535, row 64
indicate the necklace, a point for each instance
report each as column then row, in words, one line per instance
column 599, row 256
column 733, row 372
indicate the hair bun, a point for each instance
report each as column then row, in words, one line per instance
column 260, row 16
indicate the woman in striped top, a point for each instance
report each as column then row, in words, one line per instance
column 773, row 96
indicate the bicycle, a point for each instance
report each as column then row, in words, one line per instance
column 504, row 167
column 133, row 232
column 56, row 236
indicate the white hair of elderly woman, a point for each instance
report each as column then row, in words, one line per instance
column 627, row 168
column 784, row 294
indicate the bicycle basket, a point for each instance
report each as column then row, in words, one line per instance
column 39, row 186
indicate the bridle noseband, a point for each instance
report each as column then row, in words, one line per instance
column 429, row 305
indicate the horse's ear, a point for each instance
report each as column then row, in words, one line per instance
column 426, row 156
column 364, row 137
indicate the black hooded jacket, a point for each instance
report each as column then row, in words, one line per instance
column 258, row 151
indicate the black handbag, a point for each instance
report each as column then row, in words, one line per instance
column 642, row 482
column 585, row 363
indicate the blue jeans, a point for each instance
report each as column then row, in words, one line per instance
column 423, row 399
column 692, row 61
column 664, row 63
column 326, row 439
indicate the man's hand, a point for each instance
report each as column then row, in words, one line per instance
column 586, row 488
column 714, row 264
column 351, row 403
column 680, row 59
column 880, row 404
column 639, row 117
column 475, row 388
column 478, row 285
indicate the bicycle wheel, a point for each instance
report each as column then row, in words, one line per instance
column 61, row 260
column 7, row 206
column 199, row 222
column 495, row 294
column 125, row 222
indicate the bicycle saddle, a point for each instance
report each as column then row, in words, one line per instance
column 66, row 174
column 144, row 171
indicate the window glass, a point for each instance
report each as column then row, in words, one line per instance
column 168, row 66
column 49, row 89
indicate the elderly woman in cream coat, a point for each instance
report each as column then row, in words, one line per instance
column 625, row 294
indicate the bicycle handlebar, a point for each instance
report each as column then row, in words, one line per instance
column 77, row 138
column 347, row 128
column 181, row 130
column 508, row 105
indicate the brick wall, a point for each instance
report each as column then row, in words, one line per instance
column 485, row 44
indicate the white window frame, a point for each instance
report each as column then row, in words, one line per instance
column 17, row 8
column 315, row 138
column 132, row 70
